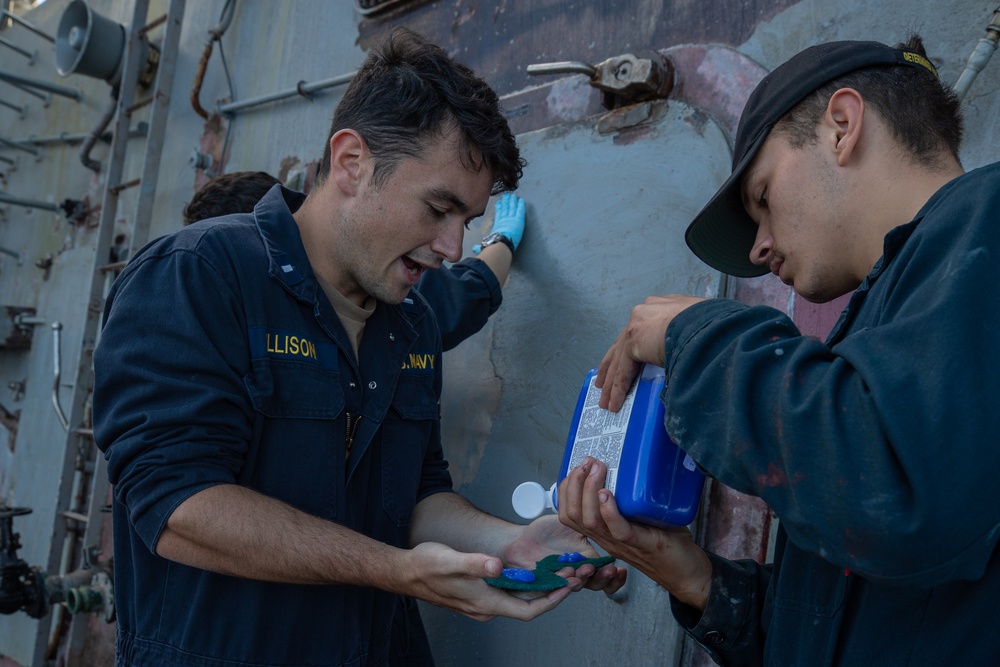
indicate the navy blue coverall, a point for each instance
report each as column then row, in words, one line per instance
column 879, row 450
column 222, row 362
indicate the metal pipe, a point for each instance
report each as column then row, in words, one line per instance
column 24, row 320
column 302, row 89
column 57, row 363
column 27, row 203
column 138, row 131
column 979, row 56
column 95, row 134
column 71, row 93
column 8, row 160
column 21, row 110
column 44, row 97
column 19, row 146
column 199, row 78
column 58, row 586
column 64, row 138
column 564, row 67
column 31, row 56
column 25, row 24
column 214, row 35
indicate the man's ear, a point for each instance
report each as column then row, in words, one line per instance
column 843, row 122
column 348, row 153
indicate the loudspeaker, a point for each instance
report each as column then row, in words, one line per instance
column 89, row 44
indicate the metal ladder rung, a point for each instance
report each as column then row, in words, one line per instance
column 145, row 102
column 153, row 24
column 114, row 266
column 125, row 186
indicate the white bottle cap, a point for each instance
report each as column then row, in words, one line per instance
column 530, row 499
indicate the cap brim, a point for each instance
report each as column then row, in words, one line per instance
column 722, row 234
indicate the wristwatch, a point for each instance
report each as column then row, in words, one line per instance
column 496, row 237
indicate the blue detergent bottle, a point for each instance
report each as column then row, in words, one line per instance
column 654, row 482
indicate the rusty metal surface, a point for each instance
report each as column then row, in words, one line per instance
column 713, row 78
column 12, row 335
column 497, row 39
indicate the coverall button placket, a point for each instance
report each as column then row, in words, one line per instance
column 372, row 385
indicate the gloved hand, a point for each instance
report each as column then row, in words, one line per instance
column 508, row 219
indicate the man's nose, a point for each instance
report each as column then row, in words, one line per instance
column 448, row 243
column 762, row 246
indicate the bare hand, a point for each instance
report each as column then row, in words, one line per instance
column 454, row 580
column 546, row 536
column 668, row 557
column 640, row 342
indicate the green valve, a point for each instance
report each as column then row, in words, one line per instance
column 83, row 599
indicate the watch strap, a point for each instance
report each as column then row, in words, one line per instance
column 496, row 237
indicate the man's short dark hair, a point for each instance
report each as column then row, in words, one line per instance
column 409, row 92
column 923, row 115
column 237, row 192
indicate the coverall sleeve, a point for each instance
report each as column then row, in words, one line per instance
column 878, row 453
column 171, row 411
column 462, row 296
column 730, row 629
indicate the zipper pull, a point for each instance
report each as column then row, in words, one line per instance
column 349, row 440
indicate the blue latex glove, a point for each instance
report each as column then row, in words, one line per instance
column 508, row 219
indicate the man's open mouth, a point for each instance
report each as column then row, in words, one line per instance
column 414, row 268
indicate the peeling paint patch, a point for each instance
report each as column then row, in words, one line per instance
column 569, row 98
column 519, row 111
column 212, row 143
column 697, row 120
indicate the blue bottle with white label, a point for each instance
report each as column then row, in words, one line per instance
column 654, row 482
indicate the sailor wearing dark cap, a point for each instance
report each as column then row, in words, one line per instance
column 876, row 449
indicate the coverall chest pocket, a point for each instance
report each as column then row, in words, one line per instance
column 297, row 453
column 808, row 611
column 411, row 425
column 810, row 585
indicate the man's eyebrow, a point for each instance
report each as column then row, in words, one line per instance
column 455, row 200
column 447, row 195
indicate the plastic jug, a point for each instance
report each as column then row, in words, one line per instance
column 654, row 482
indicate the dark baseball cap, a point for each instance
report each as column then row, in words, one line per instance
column 722, row 234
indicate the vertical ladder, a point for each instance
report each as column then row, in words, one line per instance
column 82, row 461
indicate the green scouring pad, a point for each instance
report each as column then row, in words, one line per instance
column 544, row 580
column 543, row 577
column 552, row 563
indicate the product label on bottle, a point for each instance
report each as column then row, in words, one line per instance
column 601, row 433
